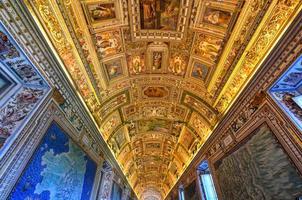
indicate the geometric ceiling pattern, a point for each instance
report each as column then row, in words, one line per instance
column 158, row 75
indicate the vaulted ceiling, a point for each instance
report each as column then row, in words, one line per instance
column 158, row 75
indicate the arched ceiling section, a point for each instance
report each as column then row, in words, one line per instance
column 158, row 75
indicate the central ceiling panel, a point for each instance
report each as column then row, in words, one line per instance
column 158, row 75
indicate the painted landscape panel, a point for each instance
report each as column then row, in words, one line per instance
column 58, row 170
column 259, row 169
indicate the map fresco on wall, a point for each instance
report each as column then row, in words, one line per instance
column 259, row 169
column 287, row 89
column 58, row 170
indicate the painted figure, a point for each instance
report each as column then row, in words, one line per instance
column 156, row 92
column 7, row 49
column 137, row 65
column 207, row 47
column 157, row 60
column 114, row 69
column 177, row 65
column 102, row 11
column 149, row 14
column 199, row 71
column 108, row 43
column 217, row 17
column 156, row 14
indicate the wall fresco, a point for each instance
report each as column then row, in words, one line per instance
column 16, row 110
column 58, row 169
column 199, row 71
column 30, row 87
column 217, row 17
column 100, row 11
column 15, row 60
column 109, row 43
column 257, row 170
column 156, row 125
column 157, row 14
column 287, row 88
column 114, row 69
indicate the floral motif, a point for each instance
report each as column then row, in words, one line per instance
column 17, row 109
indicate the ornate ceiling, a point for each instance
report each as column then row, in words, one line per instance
column 158, row 75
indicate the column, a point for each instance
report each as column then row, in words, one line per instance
column 126, row 193
column 106, row 183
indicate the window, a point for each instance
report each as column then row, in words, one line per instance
column 181, row 193
column 206, row 182
column 116, row 193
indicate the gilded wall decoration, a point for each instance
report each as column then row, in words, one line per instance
column 200, row 126
column 163, row 20
column 109, row 43
column 199, row 71
column 157, row 57
column 178, row 63
column 113, row 104
column 253, row 15
column 105, row 13
column 46, row 12
column 207, row 47
column 136, row 63
column 188, row 139
column 283, row 11
column 217, row 16
column 161, row 15
column 115, row 69
column 155, row 92
column 182, row 57
column 209, row 113
column 101, row 11
column 110, row 124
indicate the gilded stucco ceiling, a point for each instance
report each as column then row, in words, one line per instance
column 158, row 75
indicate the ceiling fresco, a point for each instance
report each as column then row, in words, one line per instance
column 158, row 75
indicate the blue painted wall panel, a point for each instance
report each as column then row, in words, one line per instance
column 58, row 170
